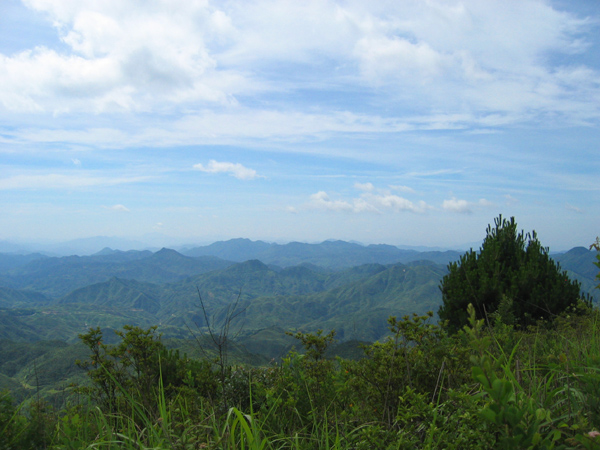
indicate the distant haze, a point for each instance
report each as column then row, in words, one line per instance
column 93, row 245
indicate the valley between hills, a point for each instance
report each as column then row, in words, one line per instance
column 264, row 289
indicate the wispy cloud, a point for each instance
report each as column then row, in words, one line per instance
column 405, row 189
column 463, row 206
column 119, row 208
column 372, row 200
column 575, row 209
column 234, row 169
column 510, row 200
column 61, row 181
column 367, row 187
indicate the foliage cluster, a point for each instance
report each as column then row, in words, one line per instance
column 512, row 273
column 486, row 386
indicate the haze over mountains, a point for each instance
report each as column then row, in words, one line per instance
column 334, row 284
column 93, row 245
column 289, row 286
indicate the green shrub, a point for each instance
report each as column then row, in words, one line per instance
column 512, row 271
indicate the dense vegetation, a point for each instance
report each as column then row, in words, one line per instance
column 483, row 387
column 491, row 383
column 512, row 274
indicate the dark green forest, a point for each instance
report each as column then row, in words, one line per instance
column 245, row 344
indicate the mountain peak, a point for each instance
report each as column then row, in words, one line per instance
column 168, row 252
column 254, row 264
column 578, row 251
column 106, row 251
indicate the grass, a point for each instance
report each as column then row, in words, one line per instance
column 484, row 388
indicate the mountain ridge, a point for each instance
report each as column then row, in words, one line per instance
column 334, row 254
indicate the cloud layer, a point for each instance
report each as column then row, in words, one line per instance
column 485, row 64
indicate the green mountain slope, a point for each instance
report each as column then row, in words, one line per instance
column 355, row 301
column 14, row 298
column 43, row 368
column 9, row 261
column 579, row 264
column 14, row 325
column 357, row 310
column 116, row 293
column 57, row 277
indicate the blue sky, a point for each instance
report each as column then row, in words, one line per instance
column 407, row 123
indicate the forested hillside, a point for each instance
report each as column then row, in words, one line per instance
column 57, row 298
column 291, row 298
column 210, row 315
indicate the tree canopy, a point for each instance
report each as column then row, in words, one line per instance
column 512, row 274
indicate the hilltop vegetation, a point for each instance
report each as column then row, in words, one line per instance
column 201, row 358
column 483, row 387
column 512, row 275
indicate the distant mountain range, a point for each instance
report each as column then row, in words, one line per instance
column 334, row 284
column 83, row 247
column 55, row 277
column 93, row 245
column 331, row 254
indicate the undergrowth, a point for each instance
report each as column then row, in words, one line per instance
column 487, row 386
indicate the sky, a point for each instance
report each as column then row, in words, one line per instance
column 407, row 122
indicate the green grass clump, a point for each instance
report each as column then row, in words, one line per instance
column 487, row 386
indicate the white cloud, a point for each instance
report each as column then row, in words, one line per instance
column 457, row 206
column 438, row 55
column 321, row 200
column 234, row 169
column 383, row 58
column 119, row 208
column 396, row 203
column 371, row 200
column 76, row 162
column 123, row 56
column 367, row 187
column 464, row 207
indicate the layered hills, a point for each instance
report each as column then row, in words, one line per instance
column 334, row 284
column 260, row 290
column 332, row 254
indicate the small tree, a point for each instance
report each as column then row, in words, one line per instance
column 512, row 273
column 133, row 370
column 220, row 335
